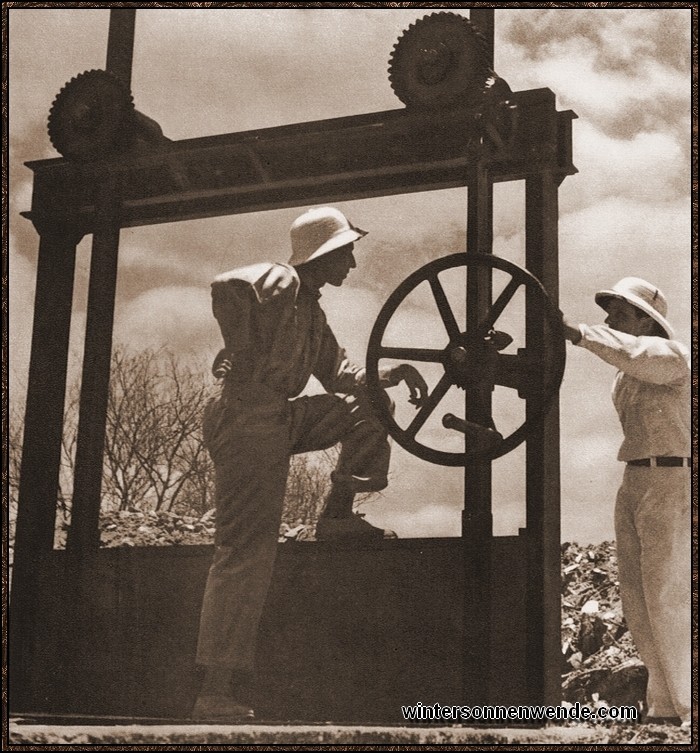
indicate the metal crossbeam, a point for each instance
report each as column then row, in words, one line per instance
column 362, row 156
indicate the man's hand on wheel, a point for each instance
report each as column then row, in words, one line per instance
column 571, row 330
column 414, row 381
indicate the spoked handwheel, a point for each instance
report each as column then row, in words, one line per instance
column 473, row 360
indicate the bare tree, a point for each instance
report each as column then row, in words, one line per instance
column 154, row 451
column 196, row 495
column 14, row 456
column 130, row 418
column 308, row 485
column 154, row 457
column 171, row 449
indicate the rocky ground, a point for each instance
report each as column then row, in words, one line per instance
column 599, row 661
column 600, row 665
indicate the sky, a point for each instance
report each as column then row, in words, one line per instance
column 200, row 72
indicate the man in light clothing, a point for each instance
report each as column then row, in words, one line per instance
column 651, row 393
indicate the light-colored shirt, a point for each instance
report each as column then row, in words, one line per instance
column 277, row 334
column 651, row 391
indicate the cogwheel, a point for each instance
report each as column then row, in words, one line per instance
column 439, row 61
column 90, row 116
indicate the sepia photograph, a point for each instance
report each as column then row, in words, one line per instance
column 348, row 375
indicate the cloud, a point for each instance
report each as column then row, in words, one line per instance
column 430, row 521
column 178, row 318
column 406, row 232
column 617, row 40
column 649, row 168
column 625, row 71
column 242, row 69
column 619, row 237
column 21, row 286
column 47, row 48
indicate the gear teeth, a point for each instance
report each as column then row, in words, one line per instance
column 461, row 82
column 118, row 95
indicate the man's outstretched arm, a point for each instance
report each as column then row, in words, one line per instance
column 649, row 359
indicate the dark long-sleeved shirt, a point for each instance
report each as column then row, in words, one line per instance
column 277, row 334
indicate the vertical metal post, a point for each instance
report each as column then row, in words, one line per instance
column 83, row 535
column 41, row 455
column 542, row 457
column 483, row 18
column 120, row 43
column 477, row 519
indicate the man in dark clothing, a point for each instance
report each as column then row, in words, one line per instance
column 276, row 336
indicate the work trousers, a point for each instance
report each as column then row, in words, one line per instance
column 250, row 441
column 653, row 530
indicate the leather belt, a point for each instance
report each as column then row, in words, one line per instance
column 661, row 461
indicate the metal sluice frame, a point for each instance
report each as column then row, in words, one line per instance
column 363, row 156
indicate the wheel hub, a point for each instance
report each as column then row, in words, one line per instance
column 433, row 63
column 470, row 361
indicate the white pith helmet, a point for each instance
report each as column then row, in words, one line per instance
column 642, row 295
column 318, row 231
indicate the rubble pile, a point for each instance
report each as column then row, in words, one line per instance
column 600, row 664
column 151, row 528
column 165, row 528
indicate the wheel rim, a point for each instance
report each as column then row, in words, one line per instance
column 468, row 360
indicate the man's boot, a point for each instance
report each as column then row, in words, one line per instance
column 216, row 702
column 351, row 528
column 338, row 522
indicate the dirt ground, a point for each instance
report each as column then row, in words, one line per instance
column 572, row 736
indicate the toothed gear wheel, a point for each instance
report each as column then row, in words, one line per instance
column 439, row 61
column 90, row 117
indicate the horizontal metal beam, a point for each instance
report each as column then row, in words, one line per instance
column 397, row 151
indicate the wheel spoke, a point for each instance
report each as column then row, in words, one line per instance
column 444, row 308
column 498, row 306
column 430, row 404
column 412, row 354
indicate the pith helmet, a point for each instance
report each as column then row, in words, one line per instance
column 318, row 231
column 642, row 295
